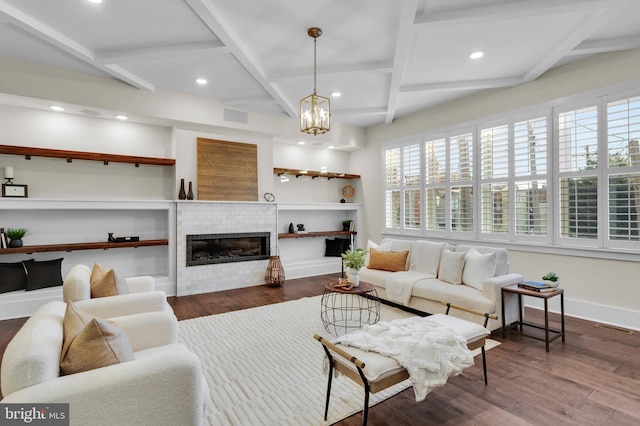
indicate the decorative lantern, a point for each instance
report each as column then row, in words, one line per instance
column 274, row 277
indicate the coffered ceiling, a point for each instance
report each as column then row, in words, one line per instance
column 386, row 58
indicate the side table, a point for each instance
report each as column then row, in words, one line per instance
column 343, row 311
column 545, row 296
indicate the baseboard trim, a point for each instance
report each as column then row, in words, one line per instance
column 611, row 315
column 302, row 268
column 20, row 304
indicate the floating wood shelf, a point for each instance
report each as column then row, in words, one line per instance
column 82, row 155
column 82, row 246
column 329, row 175
column 315, row 234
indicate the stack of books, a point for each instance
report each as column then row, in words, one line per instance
column 536, row 286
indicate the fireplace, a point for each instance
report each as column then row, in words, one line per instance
column 205, row 249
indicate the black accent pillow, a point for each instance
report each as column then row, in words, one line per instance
column 47, row 273
column 12, row 277
column 336, row 247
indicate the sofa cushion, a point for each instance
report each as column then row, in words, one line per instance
column 13, row 276
column 97, row 272
column 502, row 256
column 374, row 276
column 434, row 289
column 43, row 274
column 110, row 284
column 388, row 261
column 74, row 321
column 100, row 343
column 478, row 267
column 451, row 266
column 425, row 257
column 380, row 247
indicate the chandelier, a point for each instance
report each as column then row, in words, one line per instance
column 315, row 112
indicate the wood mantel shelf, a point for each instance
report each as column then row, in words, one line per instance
column 315, row 234
column 82, row 155
column 314, row 174
column 82, row 246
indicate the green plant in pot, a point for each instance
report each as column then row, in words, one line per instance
column 346, row 224
column 552, row 279
column 15, row 236
column 354, row 260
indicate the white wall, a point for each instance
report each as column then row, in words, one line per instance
column 54, row 178
column 599, row 289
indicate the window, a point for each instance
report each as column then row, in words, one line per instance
column 566, row 176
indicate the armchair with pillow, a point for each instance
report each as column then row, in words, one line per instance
column 127, row 370
column 117, row 296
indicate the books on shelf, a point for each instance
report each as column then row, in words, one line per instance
column 536, row 286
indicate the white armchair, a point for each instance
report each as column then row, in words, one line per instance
column 142, row 296
column 164, row 385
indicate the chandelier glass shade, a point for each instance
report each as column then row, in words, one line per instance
column 315, row 111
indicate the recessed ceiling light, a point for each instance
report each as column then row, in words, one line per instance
column 201, row 81
column 336, row 94
column 300, row 142
column 56, row 108
column 477, row 54
column 330, row 147
column 95, row 1
column 122, row 117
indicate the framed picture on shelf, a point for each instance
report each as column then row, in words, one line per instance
column 14, row 191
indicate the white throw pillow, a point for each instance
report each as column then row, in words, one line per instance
column 386, row 246
column 478, row 267
column 451, row 265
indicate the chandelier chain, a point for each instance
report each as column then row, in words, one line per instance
column 315, row 39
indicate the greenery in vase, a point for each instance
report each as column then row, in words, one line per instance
column 346, row 223
column 354, row 259
column 17, row 233
column 551, row 276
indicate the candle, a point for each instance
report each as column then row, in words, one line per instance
column 8, row 172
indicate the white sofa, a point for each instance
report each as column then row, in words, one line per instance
column 164, row 385
column 419, row 286
column 142, row 296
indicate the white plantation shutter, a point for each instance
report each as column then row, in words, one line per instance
column 623, row 125
column 530, row 147
column 578, row 139
column 435, row 155
column 495, row 152
column 392, row 168
column 624, row 206
column 461, row 208
column 411, row 164
column 494, row 167
column 403, row 177
column 461, row 158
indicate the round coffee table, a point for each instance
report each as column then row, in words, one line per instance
column 343, row 311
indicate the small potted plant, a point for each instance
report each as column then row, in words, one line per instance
column 551, row 279
column 346, row 224
column 16, row 235
column 353, row 260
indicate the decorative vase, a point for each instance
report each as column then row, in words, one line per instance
column 182, row 195
column 291, row 230
column 553, row 284
column 190, row 193
column 15, row 243
column 353, row 276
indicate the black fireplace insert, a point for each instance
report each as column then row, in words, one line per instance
column 205, row 249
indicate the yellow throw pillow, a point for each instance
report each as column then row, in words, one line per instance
column 100, row 343
column 393, row 261
column 111, row 284
column 97, row 272
column 72, row 324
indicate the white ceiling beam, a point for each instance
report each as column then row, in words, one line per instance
column 52, row 37
column 249, row 100
column 463, row 85
column 369, row 68
column 590, row 47
column 153, row 52
column 359, row 111
column 505, row 10
column 205, row 10
column 404, row 44
column 575, row 36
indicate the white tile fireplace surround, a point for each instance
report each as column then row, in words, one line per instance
column 215, row 217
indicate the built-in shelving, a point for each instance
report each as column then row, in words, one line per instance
column 82, row 246
column 314, row 174
column 315, row 234
column 83, row 155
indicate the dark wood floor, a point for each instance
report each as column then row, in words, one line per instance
column 592, row 379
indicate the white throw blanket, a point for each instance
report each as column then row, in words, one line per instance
column 430, row 353
column 399, row 285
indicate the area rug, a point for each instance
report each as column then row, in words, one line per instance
column 264, row 367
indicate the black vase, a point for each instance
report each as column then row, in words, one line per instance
column 15, row 243
column 182, row 195
column 190, row 193
column 291, row 228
